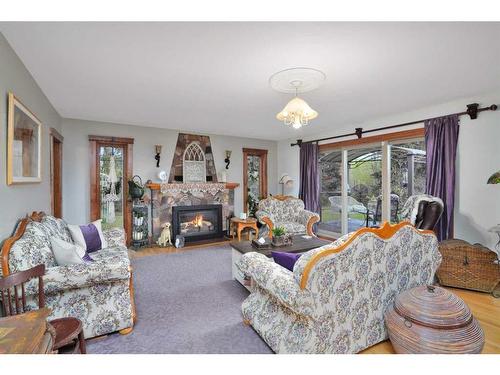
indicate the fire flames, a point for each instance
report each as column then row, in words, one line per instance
column 198, row 221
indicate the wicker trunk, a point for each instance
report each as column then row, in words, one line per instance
column 468, row 266
column 431, row 320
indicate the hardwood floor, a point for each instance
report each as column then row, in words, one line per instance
column 484, row 307
column 171, row 249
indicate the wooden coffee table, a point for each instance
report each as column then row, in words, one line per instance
column 300, row 245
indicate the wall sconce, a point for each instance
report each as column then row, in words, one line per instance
column 227, row 159
column 494, row 178
column 157, row 156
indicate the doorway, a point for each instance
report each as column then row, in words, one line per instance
column 56, row 159
column 110, row 171
column 254, row 178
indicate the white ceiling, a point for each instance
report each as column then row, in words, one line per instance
column 213, row 77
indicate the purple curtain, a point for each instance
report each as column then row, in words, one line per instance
column 309, row 176
column 441, row 137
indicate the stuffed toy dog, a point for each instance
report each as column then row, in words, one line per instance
column 164, row 238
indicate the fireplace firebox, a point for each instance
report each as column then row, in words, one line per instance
column 197, row 223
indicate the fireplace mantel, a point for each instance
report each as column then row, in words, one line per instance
column 157, row 186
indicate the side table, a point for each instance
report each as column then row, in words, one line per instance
column 241, row 224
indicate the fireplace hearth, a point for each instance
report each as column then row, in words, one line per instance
column 197, row 223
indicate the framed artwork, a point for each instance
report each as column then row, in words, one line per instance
column 24, row 144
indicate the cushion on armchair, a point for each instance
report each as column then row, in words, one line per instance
column 108, row 266
column 277, row 281
column 57, row 228
column 67, row 253
column 32, row 249
column 291, row 227
column 115, row 237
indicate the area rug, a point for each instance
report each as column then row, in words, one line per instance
column 186, row 303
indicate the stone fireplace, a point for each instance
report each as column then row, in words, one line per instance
column 165, row 197
column 193, row 202
column 196, row 223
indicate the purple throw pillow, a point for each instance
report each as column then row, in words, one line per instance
column 286, row 260
column 89, row 237
column 87, row 258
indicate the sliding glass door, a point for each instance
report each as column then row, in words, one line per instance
column 408, row 168
column 379, row 178
column 364, row 187
column 330, row 166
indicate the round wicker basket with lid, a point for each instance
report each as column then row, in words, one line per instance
column 430, row 319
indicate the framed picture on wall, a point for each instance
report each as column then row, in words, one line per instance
column 24, row 144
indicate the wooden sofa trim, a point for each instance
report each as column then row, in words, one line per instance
column 128, row 330
column 385, row 232
column 270, row 224
column 310, row 223
column 283, row 197
column 9, row 242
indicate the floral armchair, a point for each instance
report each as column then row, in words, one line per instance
column 287, row 212
column 335, row 298
column 99, row 293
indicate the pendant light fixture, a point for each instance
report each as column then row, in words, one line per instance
column 297, row 112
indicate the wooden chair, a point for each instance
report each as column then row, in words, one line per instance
column 13, row 295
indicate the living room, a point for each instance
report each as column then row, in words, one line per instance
column 250, row 188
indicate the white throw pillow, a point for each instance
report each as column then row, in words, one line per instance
column 89, row 237
column 66, row 253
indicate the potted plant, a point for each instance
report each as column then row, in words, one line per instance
column 281, row 237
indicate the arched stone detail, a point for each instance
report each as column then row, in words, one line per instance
column 193, row 164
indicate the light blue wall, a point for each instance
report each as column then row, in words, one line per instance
column 17, row 200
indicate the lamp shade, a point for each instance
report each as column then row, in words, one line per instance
column 297, row 113
column 286, row 180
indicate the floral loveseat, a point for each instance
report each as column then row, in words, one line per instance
column 335, row 298
column 99, row 293
column 287, row 212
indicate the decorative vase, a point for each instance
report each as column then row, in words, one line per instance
column 284, row 240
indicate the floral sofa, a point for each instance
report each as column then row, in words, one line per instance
column 287, row 212
column 99, row 293
column 335, row 298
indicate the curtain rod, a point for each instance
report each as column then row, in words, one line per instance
column 472, row 110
